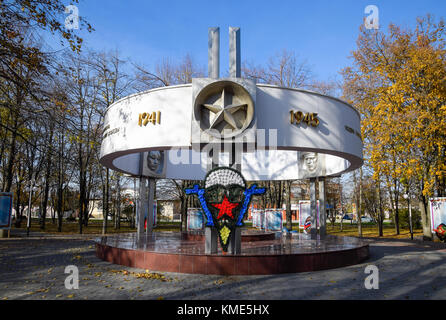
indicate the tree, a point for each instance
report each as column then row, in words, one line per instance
column 283, row 69
column 168, row 73
column 397, row 82
column 113, row 84
column 28, row 96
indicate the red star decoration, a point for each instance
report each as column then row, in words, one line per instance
column 225, row 208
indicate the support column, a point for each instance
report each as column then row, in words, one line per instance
column 142, row 206
column 322, row 209
column 151, row 202
column 313, row 208
column 211, row 240
column 236, row 156
column 211, row 237
column 235, row 241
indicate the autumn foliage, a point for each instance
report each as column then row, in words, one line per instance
column 398, row 83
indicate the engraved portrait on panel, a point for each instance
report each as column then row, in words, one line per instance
column 154, row 163
column 311, row 165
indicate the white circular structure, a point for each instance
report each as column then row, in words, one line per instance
column 287, row 133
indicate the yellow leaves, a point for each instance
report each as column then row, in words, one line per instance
column 44, row 290
column 398, row 85
column 218, row 282
column 143, row 275
column 78, row 257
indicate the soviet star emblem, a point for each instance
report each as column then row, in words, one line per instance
column 224, row 109
column 225, row 208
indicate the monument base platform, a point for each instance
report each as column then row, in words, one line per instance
column 169, row 252
column 248, row 235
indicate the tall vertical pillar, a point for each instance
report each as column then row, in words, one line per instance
column 322, row 207
column 214, row 53
column 142, row 205
column 151, row 202
column 211, row 240
column 313, row 208
column 235, row 240
column 236, row 155
column 234, row 53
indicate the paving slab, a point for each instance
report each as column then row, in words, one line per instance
column 34, row 268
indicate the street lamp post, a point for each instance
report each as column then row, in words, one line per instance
column 407, row 196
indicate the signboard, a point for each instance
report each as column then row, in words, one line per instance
column 305, row 212
column 258, row 218
column 5, row 210
column 273, row 220
column 195, row 219
column 294, row 206
column 438, row 211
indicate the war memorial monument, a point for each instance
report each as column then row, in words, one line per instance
column 230, row 133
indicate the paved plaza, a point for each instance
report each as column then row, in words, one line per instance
column 33, row 268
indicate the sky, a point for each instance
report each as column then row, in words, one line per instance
column 322, row 33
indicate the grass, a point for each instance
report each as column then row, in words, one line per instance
column 371, row 231
column 95, row 228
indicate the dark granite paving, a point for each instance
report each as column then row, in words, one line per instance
column 33, row 268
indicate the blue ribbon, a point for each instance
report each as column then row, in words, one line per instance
column 200, row 193
column 248, row 194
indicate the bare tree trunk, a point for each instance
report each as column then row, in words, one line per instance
column 47, row 177
column 11, row 159
column 17, row 208
column 358, row 201
column 381, row 211
column 342, row 203
column 118, row 200
column 425, row 218
column 397, row 218
column 104, row 213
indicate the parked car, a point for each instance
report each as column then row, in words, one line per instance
column 347, row 217
column 366, row 219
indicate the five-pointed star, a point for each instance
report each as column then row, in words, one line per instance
column 223, row 111
column 225, row 208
